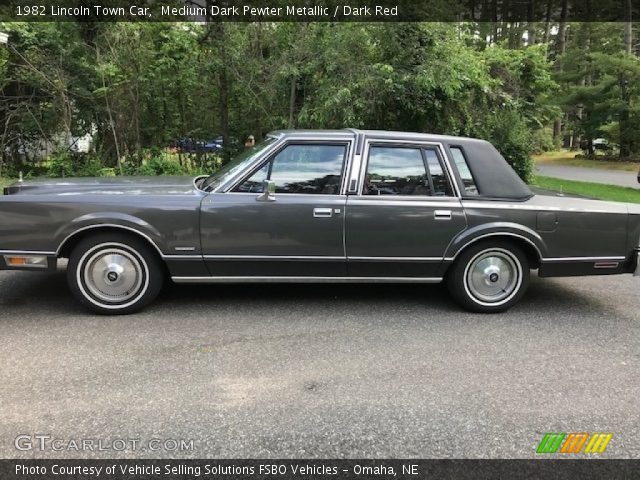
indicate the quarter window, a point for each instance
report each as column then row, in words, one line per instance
column 464, row 171
column 303, row 169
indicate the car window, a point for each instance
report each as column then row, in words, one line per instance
column 441, row 185
column 396, row 171
column 301, row 168
column 236, row 165
column 463, row 169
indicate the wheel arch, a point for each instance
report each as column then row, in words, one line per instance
column 73, row 239
column 527, row 240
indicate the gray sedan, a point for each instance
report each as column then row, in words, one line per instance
column 318, row 206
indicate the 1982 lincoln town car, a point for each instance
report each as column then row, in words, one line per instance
column 318, row 206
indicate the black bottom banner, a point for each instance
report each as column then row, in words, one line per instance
column 122, row 469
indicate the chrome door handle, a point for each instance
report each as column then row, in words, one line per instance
column 322, row 212
column 442, row 214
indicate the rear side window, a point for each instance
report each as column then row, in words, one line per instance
column 396, row 171
column 460, row 160
column 441, row 185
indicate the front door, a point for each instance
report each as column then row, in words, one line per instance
column 405, row 214
column 298, row 234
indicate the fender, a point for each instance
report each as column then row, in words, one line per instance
column 112, row 220
column 506, row 229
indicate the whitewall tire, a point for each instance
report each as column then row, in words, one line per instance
column 114, row 274
column 489, row 277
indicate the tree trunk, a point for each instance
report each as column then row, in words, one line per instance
column 626, row 132
column 292, row 101
column 628, row 32
column 532, row 25
column 561, row 49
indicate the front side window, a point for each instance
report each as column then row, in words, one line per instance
column 464, row 171
column 302, row 169
column 236, row 165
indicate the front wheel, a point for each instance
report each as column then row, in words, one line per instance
column 489, row 277
column 114, row 274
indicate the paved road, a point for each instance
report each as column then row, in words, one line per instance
column 321, row 371
column 585, row 174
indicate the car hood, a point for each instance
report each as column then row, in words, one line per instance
column 104, row 185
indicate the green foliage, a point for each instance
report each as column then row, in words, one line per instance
column 509, row 132
column 160, row 166
column 543, row 141
column 60, row 164
column 66, row 79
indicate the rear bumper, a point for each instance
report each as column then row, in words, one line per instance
column 636, row 271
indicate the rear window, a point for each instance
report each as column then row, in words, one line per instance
column 462, row 165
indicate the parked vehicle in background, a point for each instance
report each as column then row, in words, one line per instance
column 318, row 206
column 189, row 145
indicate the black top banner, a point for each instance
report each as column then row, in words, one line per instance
column 317, row 469
column 320, row 10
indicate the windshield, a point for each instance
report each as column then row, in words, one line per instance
column 235, row 165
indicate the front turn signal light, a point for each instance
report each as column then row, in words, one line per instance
column 35, row 261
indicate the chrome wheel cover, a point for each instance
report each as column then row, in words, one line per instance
column 113, row 275
column 493, row 277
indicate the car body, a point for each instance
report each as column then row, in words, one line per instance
column 318, row 206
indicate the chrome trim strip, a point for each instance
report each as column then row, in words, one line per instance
column 410, row 201
column 184, row 249
column 582, row 259
column 283, row 279
column 397, row 259
column 512, row 206
column 272, row 257
column 182, row 257
column 27, row 253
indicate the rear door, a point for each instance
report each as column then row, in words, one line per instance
column 405, row 213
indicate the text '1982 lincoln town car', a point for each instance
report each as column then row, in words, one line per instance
column 318, row 206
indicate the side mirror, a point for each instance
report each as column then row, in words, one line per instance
column 268, row 192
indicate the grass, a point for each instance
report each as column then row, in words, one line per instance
column 4, row 182
column 565, row 157
column 589, row 189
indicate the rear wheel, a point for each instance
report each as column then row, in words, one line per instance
column 489, row 277
column 114, row 274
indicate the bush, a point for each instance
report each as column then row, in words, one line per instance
column 158, row 165
column 543, row 141
column 511, row 135
column 60, row 164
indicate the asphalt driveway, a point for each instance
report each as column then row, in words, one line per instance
column 320, row 370
column 585, row 174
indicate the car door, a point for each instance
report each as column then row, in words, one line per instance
column 405, row 213
column 299, row 232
